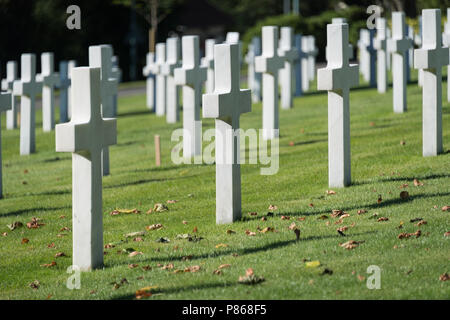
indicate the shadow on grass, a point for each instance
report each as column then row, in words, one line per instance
column 302, row 143
column 384, row 203
column 184, row 288
column 403, row 179
column 25, row 211
column 135, row 113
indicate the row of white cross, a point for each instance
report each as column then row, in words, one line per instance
column 90, row 131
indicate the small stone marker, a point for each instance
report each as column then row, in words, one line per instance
column 172, row 62
column 27, row 87
column 399, row 46
column 160, row 60
column 298, row 65
column 71, row 66
column 269, row 63
column 157, row 150
column 287, row 51
column 149, row 72
column 380, row 44
column 191, row 76
column 85, row 136
column 337, row 78
column 7, row 85
column 64, row 86
column 49, row 79
column 226, row 105
column 116, row 73
column 100, row 57
column 431, row 58
column 5, row 104
column 208, row 63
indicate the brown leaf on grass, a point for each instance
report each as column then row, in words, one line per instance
column 192, row 269
column 382, row 219
column 223, row 266
column 218, row 272
column 35, row 284
column 402, row 142
column 195, row 229
column 14, row 225
column 185, row 222
column 250, row 233
column 4, row 234
column 146, row 268
column 64, row 229
column 361, row 211
column 25, row 240
column 49, row 265
column 250, row 277
column 405, row 235
column 446, row 208
column 155, row 226
column 253, row 213
column 285, row 217
column 444, row 277
column 135, row 253
column 291, row 143
column 342, row 229
column 404, row 195
column 168, row 266
column 292, row 226
column 349, row 245
column 60, row 254
column 159, row 207
column 273, row 207
column 62, row 217
column 34, row 223
column 172, row 201
column 263, row 219
column 336, row 213
column 297, row 233
column 138, row 239
column 403, row 186
column 145, row 292
column 379, row 199
column 229, row 231
column 417, row 183
column 361, row 278
column 221, row 245
column 51, row 245
column 267, row 229
column 133, row 265
column 415, row 220
column 109, row 246
column 422, row 222
column 301, row 219
column 186, row 258
column 323, row 217
column 447, row 234
column 330, row 192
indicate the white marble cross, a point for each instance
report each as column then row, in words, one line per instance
column 350, row 46
column 446, row 42
column 298, row 66
column 116, row 73
column 85, row 136
column 208, row 63
column 64, row 86
column 269, row 63
column 72, row 64
column 380, row 44
column 312, row 53
column 304, row 63
column 172, row 62
column 232, row 38
column 399, row 46
column 254, row 78
column 149, row 72
column 389, row 57
column 27, row 87
column 431, row 58
column 191, row 76
column 367, row 56
column 160, row 60
column 7, row 85
column 226, row 105
column 100, row 57
column 337, row 78
column 49, row 79
column 289, row 52
column 5, row 104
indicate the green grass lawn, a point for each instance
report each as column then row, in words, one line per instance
column 40, row 186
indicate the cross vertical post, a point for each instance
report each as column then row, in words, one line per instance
column 208, row 63
column 85, row 136
column 160, row 60
column 5, row 104
column 149, row 72
column 172, row 62
column 380, row 44
column 7, row 85
column 337, row 78
column 226, row 105
column 64, row 85
column 49, row 79
column 431, row 58
column 290, row 54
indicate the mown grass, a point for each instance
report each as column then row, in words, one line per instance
column 40, row 186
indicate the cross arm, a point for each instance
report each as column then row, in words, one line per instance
column 220, row 105
column 72, row 137
column 337, row 78
column 427, row 59
column 5, row 101
column 109, row 131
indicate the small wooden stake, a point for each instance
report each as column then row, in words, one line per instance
column 157, row 151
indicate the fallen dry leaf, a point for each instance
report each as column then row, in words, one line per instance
column 312, row 264
column 446, row 208
column 362, row 211
column 159, row 207
column 34, row 223
column 253, row 213
column 218, row 272
column 138, row 239
column 250, row 233
column 223, row 266
column 361, row 278
column 116, row 212
column 402, row 142
column 342, row 229
column 422, row 222
column 35, row 284
column 444, row 277
column 337, row 213
column 195, row 229
column 4, row 234
column 292, row 226
column 417, row 183
column 250, row 278
column 273, row 207
column 405, row 235
column 60, row 254
column 172, row 201
column 349, row 245
column 185, row 222
column 168, row 266
column 49, row 265
column 14, row 225
column 145, row 292
column 285, row 217
column 329, row 192
column 382, row 219
column 64, row 229
column 133, row 265
column 379, row 199
column 154, row 226
column 51, row 245
column 221, row 245
column 263, row 219
column 135, row 253
column 25, row 240
column 230, row 231
column 323, row 217
column 192, row 269
column 267, row 229
column 301, row 219
column 447, row 234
